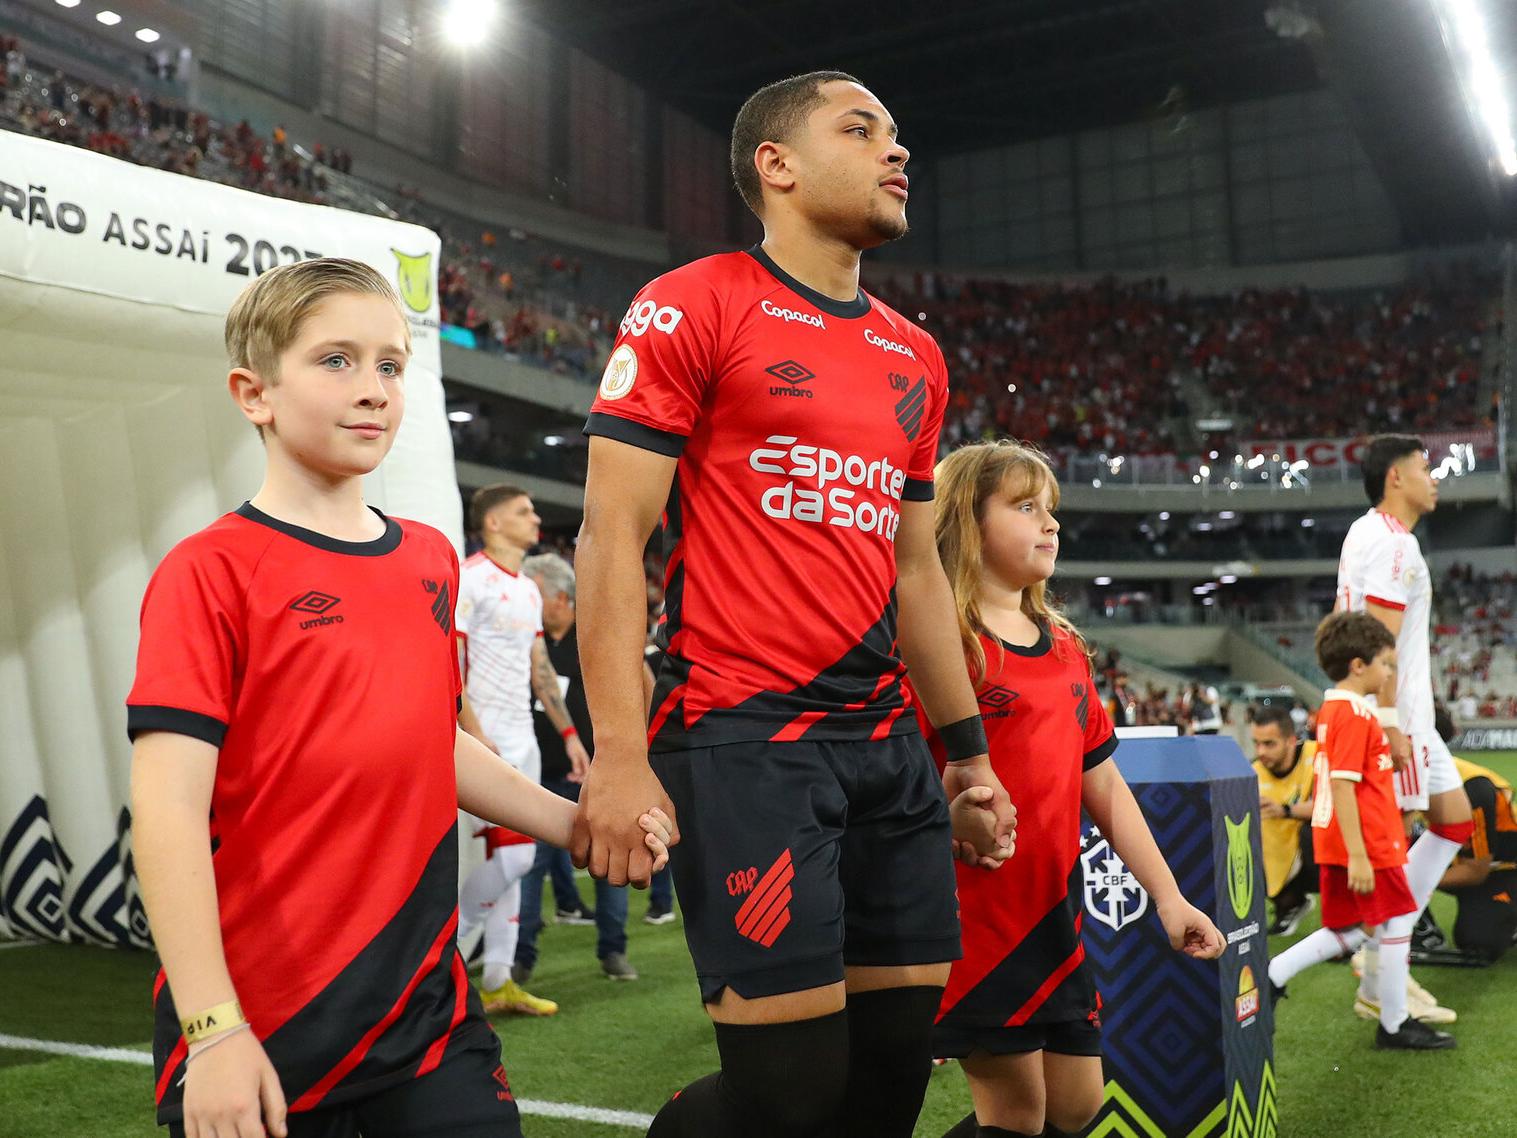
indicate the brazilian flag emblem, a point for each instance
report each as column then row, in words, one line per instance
column 414, row 275
column 1240, row 865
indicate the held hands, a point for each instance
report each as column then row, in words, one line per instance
column 974, row 829
column 609, row 836
column 1190, row 930
column 231, row 1090
column 657, row 830
column 1361, row 875
column 1401, row 748
column 962, row 776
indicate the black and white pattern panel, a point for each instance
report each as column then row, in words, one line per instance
column 42, row 897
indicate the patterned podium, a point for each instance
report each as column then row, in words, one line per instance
column 1188, row 1044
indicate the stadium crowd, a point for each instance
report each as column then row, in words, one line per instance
column 1102, row 366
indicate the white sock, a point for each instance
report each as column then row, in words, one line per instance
column 1369, row 983
column 1395, row 939
column 1426, row 862
column 483, row 885
column 1321, row 946
column 503, row 921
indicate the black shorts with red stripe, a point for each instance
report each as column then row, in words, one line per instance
column 796, row 859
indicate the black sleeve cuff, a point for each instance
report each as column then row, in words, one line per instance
column 637, row 434
column 1104, row 751
column 204, row 727
column 917, row 490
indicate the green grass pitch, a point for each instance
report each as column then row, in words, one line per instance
column 627, row 1046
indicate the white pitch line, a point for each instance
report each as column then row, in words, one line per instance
column 629, row 1118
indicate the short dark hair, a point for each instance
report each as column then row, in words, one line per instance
column 1380, row 454
column 1344, row 637
column 486, row 498
column 1277, row 714
column 773, row 114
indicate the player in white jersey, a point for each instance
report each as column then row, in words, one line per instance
column 500, row 628
column 1382, row 572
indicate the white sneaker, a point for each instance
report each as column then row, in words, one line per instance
column 1420, row 1004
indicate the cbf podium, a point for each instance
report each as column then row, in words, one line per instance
column 1188, row 1044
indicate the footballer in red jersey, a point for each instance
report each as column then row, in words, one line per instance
column 784, row 424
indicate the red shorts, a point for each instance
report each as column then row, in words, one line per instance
column 1342, row 908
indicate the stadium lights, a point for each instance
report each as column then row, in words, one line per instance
column 68, row 3
column 1164, row 515
column 108, row 18
column 1011, row 387
column 553, row 441
column 1307, row 523
column 1227, row 515
column 1103, row 581
column 147, row 35
column 1464, row 26
column 1228, row 579
column 460, row 416
column 467, row 22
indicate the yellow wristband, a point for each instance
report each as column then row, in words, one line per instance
column 212, row 1021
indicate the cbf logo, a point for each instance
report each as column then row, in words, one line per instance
column 414, row 275
column 1240, row 866
column 1112, row 894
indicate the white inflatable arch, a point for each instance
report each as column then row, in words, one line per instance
column 117, row 439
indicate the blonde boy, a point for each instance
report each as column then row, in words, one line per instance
column 297, row 764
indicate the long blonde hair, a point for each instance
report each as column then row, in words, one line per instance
column 965, row 481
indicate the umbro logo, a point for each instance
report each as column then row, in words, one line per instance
column 794, row 374
column 442, row 604
column 319, row 603
column 766, row 912
column 911, row 408
column 999, row 701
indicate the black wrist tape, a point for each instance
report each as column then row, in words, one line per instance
column 964, row 739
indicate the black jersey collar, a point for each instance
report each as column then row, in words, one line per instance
column 1041, row 648
column 388, row 542
column 842, row 309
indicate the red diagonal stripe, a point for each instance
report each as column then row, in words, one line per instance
column 1046, row 989
column 664, row 709
column 176, row 1057
column 796, row 727
column 781, row 864
column 777, row 914
column 759, row 907
column 779, row 927
column 882, row 730
column 355, row 1056
column 460, row 1008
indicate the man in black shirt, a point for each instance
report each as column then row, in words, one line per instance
column 555, row 580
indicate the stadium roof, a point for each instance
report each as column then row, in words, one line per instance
column 976, row 73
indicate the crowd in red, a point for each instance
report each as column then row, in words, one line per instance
column 1102, row 366
column 1108, row 366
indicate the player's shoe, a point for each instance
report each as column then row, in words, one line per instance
column 1426, row 935
column 1287, row 922
column 659, row 914
column 616, row 966
column 1420, row 1005
column 520, row 972
column 580, row 916
column 512, row 999
column 1414, row 1035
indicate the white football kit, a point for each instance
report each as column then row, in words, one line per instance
column 1382, row 563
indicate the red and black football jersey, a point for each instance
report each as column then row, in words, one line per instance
column 1046, row 726
column 325, row 672
column 800, row 423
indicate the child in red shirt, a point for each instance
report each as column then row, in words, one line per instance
column 1356, row 823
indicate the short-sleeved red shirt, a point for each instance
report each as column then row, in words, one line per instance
column 1046, row 726
column 800, row 423
column 326, row 674
column 1352, row 745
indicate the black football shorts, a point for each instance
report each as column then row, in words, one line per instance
column 797, row 858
